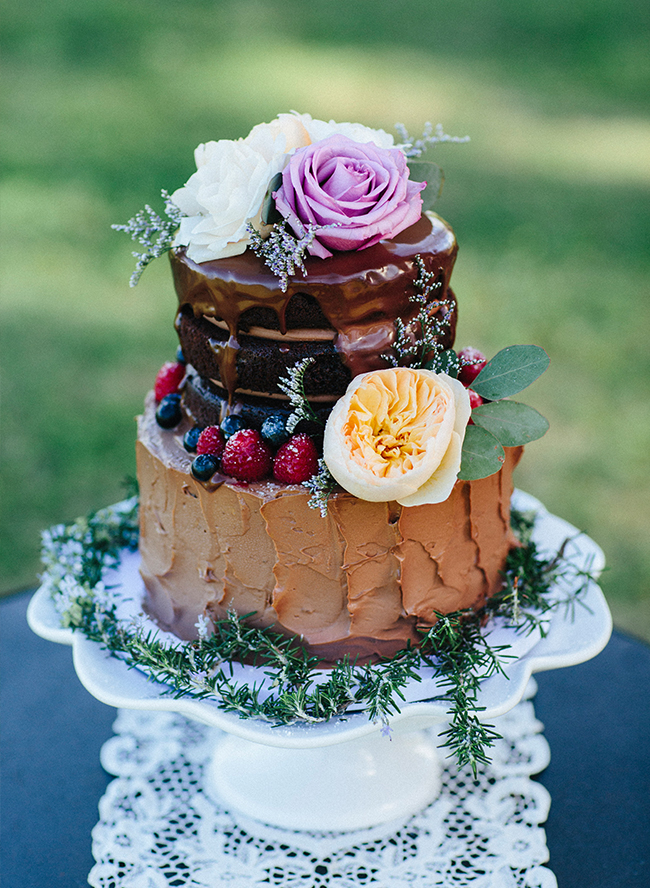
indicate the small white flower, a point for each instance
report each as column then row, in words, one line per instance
column 203, row 626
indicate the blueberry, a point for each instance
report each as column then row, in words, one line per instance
column 274, row 430
column 180, row 357
column 191, row 439
column 169, row 413
column 232, row 424
column 204, row 466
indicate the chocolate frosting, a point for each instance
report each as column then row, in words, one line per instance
column 360, row 293
column 360, row 581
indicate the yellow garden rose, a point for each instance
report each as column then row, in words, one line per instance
column 397, row 434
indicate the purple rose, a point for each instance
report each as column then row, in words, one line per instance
column 357, row 193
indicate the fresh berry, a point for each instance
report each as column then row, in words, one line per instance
column 191, row 439
column 180, row 357
column 296, row 461
column 212, row 441
column 474, row 399
column 204, row 466
column 274, row 430
column 168, row 379
column 472, row 362
column 231, row 425
column 246, row 456
column 169, row 413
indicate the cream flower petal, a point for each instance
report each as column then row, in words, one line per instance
column 439, row 486
column 397, row 434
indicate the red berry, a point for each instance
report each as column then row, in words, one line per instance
column 474, row 399
column 472, row 362
column 246, row 456
column 211, row 441
column 168, row 379
column 296, row 460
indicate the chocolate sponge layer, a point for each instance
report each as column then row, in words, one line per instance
column 261, row 362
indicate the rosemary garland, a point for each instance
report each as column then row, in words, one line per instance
column 76, row 557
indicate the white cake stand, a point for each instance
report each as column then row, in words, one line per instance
column 346, row 774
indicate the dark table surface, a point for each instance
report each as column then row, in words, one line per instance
column 596, row 716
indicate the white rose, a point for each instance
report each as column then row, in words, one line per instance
column 319, row 130
column 397, row 434
column 226, row 192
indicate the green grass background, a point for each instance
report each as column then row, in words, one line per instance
column 104, row 102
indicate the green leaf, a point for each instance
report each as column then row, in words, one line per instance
column 446, row 361
column 425, row 171
column 510, row 371
column 270, row 215
column 511, row 423
column 482, row 454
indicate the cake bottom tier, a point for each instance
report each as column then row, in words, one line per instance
column 360, row 581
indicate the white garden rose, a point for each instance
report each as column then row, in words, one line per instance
column 320, row 129
column 397, row 434
column 226, row 192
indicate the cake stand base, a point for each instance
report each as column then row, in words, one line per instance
column 279, row 786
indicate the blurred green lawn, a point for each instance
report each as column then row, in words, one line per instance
column 104, row 104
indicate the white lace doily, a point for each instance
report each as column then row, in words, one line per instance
column 158, row 829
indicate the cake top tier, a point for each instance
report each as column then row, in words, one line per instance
column 358, row 294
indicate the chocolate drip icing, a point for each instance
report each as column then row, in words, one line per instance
column 361, row 294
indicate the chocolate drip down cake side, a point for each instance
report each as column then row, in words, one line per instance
column 319, row 458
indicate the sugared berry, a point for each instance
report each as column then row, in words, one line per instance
column 168, row 379
column 472, row 362
column 191, row 439
column 204, row 466
column 296, row 461
column 211, row 441
column 474, row 399
column 168, row 413
column 180, row 357
column 231, row 425
column 246, row 456
column 274, row 430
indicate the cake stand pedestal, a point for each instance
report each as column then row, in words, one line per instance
column 346, row 774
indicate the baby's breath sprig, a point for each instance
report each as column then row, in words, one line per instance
column 421, row 346
column 416, row 147
column 321, row 486
column 153, row 232
column 455, row 648
column 293, row 385
column 281, row 250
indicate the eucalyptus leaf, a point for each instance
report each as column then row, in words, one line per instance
column 270, row 215
column 511, row 423
column 482, row 454
column 425, row 171
column 510, row 370
column 446, row 361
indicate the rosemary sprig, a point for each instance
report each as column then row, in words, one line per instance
column 77, row 556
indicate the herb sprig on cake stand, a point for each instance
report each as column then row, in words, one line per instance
column 77, row 556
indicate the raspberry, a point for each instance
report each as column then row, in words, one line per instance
column 474, row 399
column 211, row 441
column 296, row 461
column 246, row 456
column 168, row 379
column 472, row 362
